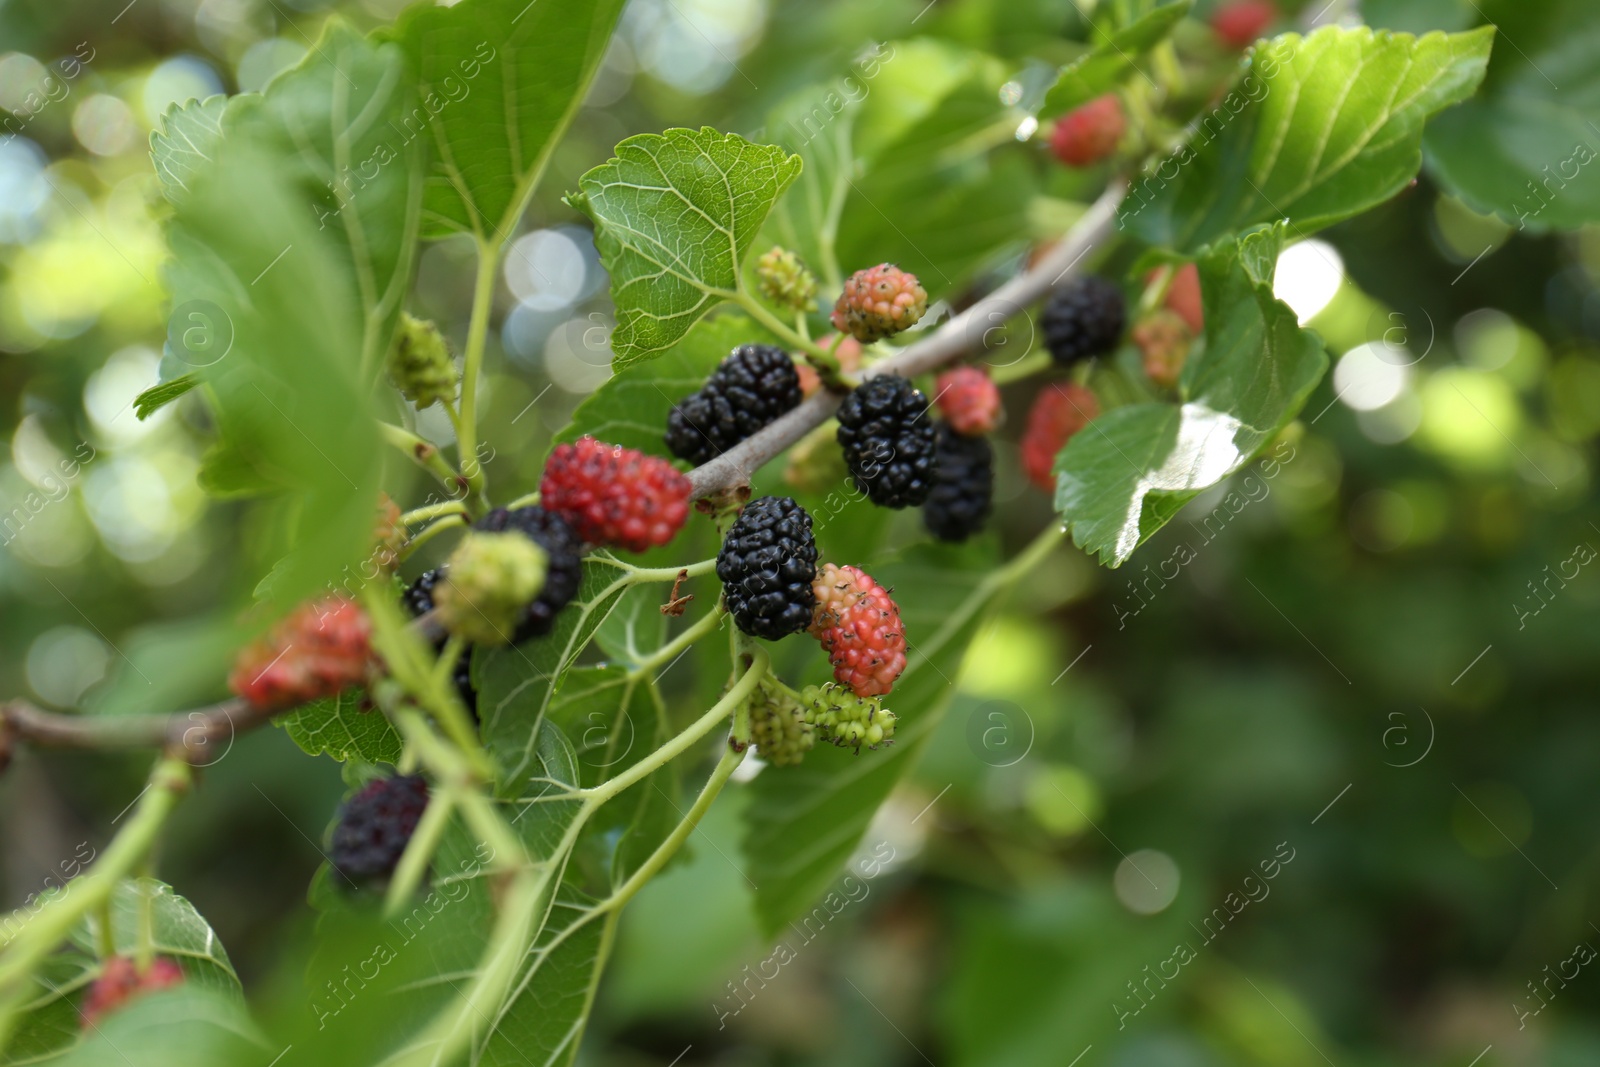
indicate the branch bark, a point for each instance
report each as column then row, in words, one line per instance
column 961, row 334
column 188, row 735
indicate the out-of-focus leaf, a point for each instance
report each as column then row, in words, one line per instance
column 52, row 1023
column 1126, row 474
column 344, row 729
column 517, row 683
column 1318, row 129
column 157, row 397
column 1524, row 149
column 185, row 143
column 803, row 822
column 498, row 82
column 185, row 1026
column 816, row 124
column 675, row 215
column 1111, row 60
column 307, row 279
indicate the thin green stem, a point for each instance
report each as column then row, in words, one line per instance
column 433, row 511
column 408, row 873
column 52, row 924
column 667, row 849
column 734, row 697
column 428, row 533
column 105, row 937
column 758, row 311
column 659, row 574
column 1026, row 367
column 424, row 454
column 472, row 366
column 672, row 649
column 525, row 500
column 145, row 952
column 444, row 667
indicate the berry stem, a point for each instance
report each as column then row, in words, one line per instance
column 672, row 649
column 424, row 454
column 720, row 711
column 658, row 574
column 472, row 363
column 431, row 531
column 731, row 758
column 433, row 511
column 781, row 330
column 41, row 932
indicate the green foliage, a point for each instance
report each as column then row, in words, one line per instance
column 1129, row 472
column 676, row 215
column 1523, row 149
column 498, row 82
column 186, row 143
column 1111, row 60
column 1316, row 130
column 517, row 683
column 157, row 397
column 346, row 727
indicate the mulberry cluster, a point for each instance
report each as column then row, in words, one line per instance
column 750, row 388
column 121, row 980
column 879, row 302
column 319, row 650
column 887, row 440
column 847, row 719
column 778, row 727
column 963, row 488
column 767, row 564
column 615, row 496
column 1083, row 318
column 858, row 625
column 375, row 826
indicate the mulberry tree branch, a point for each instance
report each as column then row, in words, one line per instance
column 962, row 334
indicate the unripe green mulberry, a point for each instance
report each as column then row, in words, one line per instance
column 778, row 727
column 845, row 719
column 785, row 281
column 420, row 364
column 489, row 579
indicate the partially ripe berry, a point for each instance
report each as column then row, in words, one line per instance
column 375, row 825
column 120, row 981
column 1059, row 411
column 1183, row 296
column 487, row 583
column 969, row 400
column 613, row 495
column 785, row 281
column 420, row 364
column 847, row 719
column 1163, row 339
column 388, row 533
column 1088, row 134
column 858, row 625
column 319, row 650
column 1240, row 23
column 879, row 302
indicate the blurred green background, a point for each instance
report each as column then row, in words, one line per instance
column 1373, row 681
